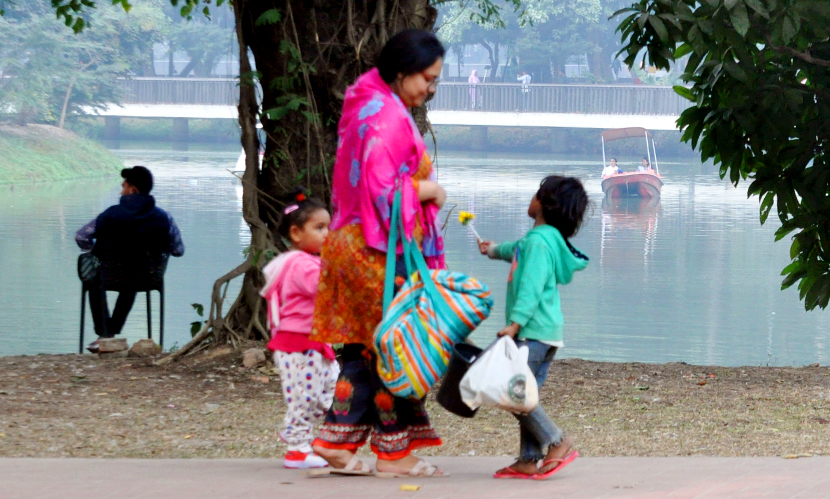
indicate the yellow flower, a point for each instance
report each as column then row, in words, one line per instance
column 465, row 217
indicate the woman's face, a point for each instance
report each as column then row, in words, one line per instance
column 644, row 162
column 414, row 89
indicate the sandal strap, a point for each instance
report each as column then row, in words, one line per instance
column 353, row 463
column 423, row 468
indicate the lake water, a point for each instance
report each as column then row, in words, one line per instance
column 692, row 278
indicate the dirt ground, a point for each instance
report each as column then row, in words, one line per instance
column 210, row 406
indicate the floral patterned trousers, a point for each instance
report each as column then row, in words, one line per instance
column 363, row 406
column 307, row 386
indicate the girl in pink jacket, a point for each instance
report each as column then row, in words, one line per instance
column 308, row 369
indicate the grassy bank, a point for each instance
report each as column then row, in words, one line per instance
column 161, row 130
column 39, row 153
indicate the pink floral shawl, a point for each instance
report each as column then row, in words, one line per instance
column 379, row 147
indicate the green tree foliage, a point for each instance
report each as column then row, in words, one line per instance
column 541, row 34
column 759, row 80
column 48, row 73
column 204, row 39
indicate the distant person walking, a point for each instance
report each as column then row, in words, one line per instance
column 473, row 81
column 524, row 79
column 127, row 233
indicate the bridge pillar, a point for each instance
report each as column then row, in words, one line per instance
column 478, row 138
column 112, row 127
column 180, row 130
column 558, row 140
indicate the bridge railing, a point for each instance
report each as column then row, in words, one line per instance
column 574, row 99
column 496, row 97
column 207, row 91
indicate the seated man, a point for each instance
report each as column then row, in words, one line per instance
column 611, row 169
column 127, row 233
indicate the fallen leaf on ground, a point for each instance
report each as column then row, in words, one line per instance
column 410, row 488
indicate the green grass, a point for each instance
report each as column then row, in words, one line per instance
column 41, row 153
column 160, row 130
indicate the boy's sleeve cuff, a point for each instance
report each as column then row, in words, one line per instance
column 491, row 251
column 519, row 319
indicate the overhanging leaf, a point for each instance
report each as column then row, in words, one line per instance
column 740, row 19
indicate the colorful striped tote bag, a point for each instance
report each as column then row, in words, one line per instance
column 433, row 310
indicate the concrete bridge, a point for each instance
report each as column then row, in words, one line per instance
column 479, row 106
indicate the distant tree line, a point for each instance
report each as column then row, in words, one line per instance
column 538, row 38
column 47, row 72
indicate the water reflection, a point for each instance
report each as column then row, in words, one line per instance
column 626, row 214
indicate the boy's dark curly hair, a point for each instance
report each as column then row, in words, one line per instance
column 298, row 209
column 564, row 202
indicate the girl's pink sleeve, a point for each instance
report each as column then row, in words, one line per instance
column 304, row 277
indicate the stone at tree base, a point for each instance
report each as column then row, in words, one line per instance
column 113, row 355
column 253, row 357
column 144, row 348
column 106, row 345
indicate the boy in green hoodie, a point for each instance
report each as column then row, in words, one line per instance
column 541, row 260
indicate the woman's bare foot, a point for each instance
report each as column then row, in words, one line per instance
column 337, row 458
column 523, row 467
column 556, row 453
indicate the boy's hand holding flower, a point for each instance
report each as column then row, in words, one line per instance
column 485, row 247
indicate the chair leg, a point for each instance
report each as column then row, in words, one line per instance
column 149, row 318
column 83, row 314
column 161, row 317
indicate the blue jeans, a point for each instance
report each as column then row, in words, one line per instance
column 536, row 428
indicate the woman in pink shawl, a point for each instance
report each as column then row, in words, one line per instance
column 473, row 81
column 379, row 150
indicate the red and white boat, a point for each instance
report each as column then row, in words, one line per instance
column 646, row 184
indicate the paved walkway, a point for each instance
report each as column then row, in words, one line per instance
column 621, row 477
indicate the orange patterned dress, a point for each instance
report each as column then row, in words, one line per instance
column 349, row 303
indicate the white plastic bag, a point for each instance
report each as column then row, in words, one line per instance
column 500, row 377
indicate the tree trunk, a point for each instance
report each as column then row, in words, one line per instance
column 195, row 59
column 66, row 100
column 310, row 55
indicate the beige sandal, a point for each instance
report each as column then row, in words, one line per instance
column 350, row 469
column 422, row 469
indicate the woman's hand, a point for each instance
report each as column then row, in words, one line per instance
column 512, row 330
column 484, row 247
column 431, row 191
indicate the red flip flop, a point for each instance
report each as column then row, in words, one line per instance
column 562, row 463
column 511, row 473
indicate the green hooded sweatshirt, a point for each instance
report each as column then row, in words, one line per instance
column 542, row 260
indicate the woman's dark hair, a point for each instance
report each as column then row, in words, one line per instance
column 298, row 209
column 648, row 163
column 615, row 159
column 408, row 52
column 564, row 202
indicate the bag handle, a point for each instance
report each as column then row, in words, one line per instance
column 411, row 254
column 395, row 224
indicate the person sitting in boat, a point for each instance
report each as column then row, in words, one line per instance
column 611, row 169
column 645, row 166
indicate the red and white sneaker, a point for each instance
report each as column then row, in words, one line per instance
column 303, row 460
